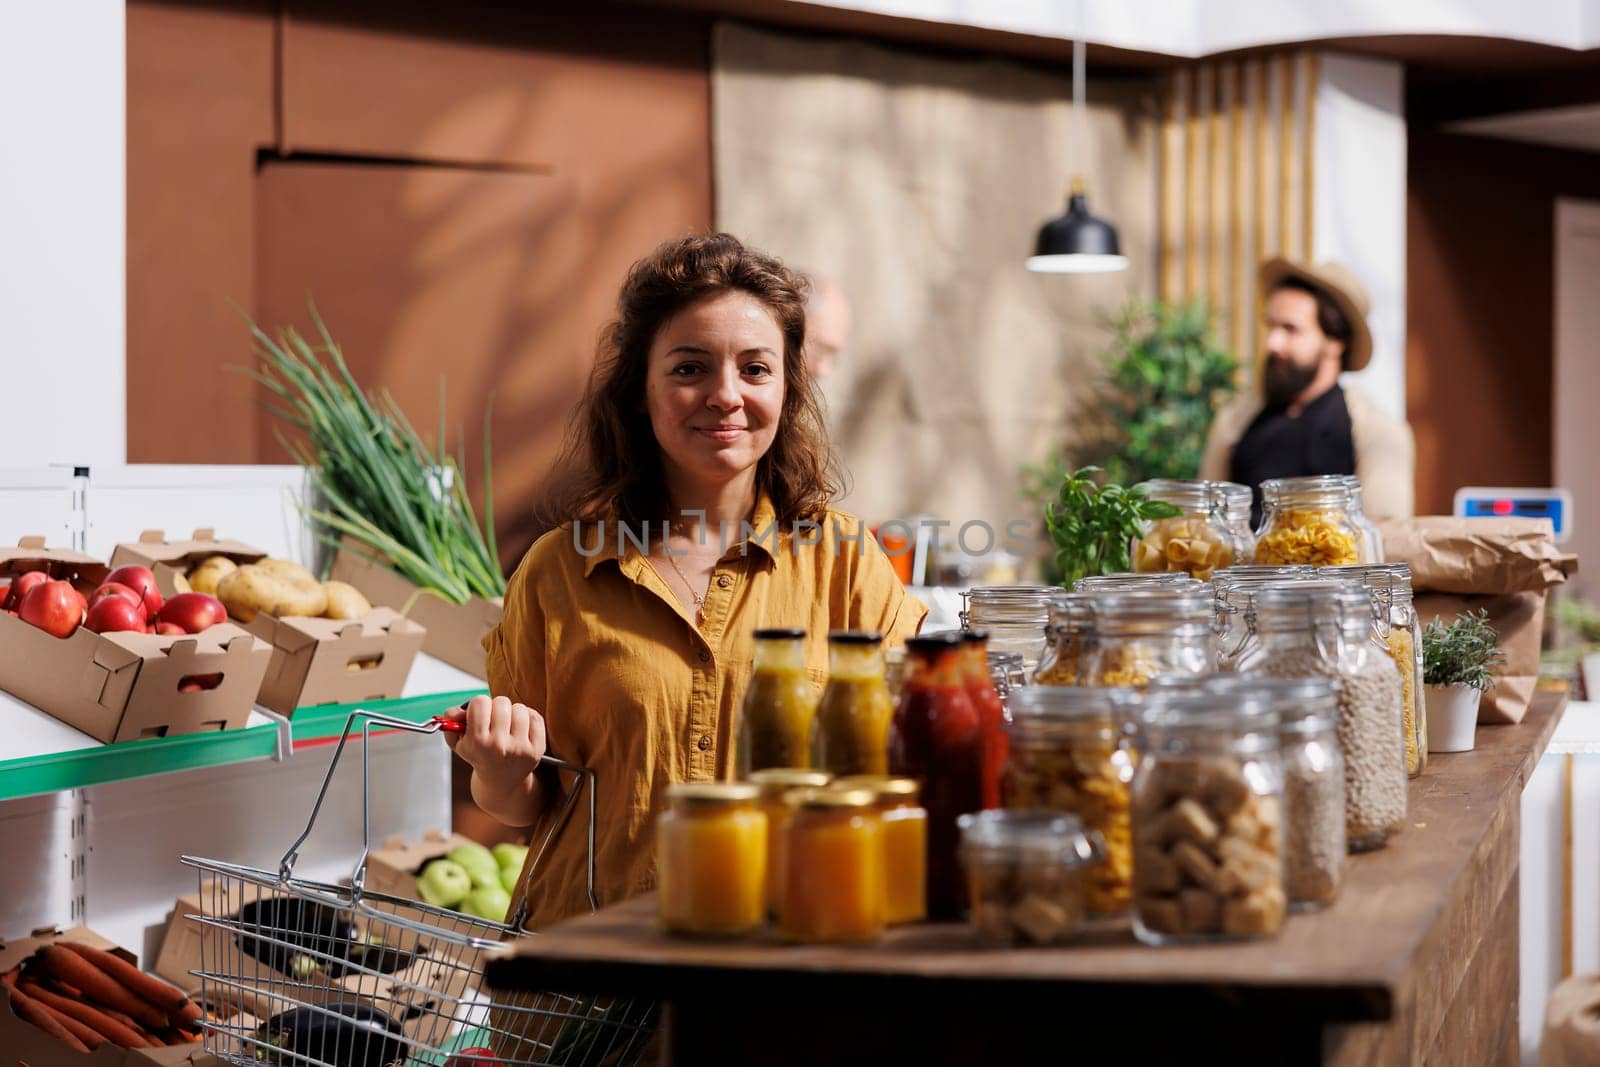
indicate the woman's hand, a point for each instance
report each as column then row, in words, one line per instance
column 503, row 743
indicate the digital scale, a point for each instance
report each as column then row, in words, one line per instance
column 1475, row 501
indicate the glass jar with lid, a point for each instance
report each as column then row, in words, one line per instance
column 1313, row 776
column 779, row 704
column 1369, row 529
column 905, row 843
column 1196, row 542
column 711, row 858
column 1133, row 581
column 835, row 887
column 1014, row 616
column 1207, row 818
column 1230, row 589
column 1070, row 753
column 1390, row 585
column 1007, row 673
column 1063, row 656
column 1133, row 637
column 850, row 731
column 1309, row 520
column 1328, row 630
column 1027, row 874
column 1238, row 502
column 774, row 785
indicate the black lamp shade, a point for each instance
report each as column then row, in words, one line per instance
column 1077, row 243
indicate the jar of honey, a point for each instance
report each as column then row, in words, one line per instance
column 834, row 885
column 905, row 844
column 775, row 784
column 711, row 858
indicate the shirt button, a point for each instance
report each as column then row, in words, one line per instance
column 724, row 580
column 704, row 657
column 705, row 742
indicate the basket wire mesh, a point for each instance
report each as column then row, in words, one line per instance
column 312, row 974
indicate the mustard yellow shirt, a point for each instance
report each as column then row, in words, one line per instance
column 631, row 688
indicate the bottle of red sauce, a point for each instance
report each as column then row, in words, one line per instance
column 937, row 738
column 991, row 713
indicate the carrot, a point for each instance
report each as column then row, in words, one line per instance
column 146, row 987
column 187, row 1015
column 31, row 1011
column 123, row 1036
column 98, row 986
column 91, row 1038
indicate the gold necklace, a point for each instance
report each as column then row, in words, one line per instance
column 696, row 597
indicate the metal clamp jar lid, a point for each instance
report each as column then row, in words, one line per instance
column 1134, row 580
column 1029, row 836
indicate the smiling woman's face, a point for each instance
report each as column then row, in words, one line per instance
column 714, row 387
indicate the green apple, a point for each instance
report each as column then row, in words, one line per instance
column 509, row 877
column 510, row 856
column 478, row 862
column 444, row 884
column 488, row 902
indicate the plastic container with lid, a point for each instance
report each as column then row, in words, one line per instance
column 1133, row 637
column 711, row 859
column 1013, row 615
column 1070, row 753
column 1328, row 630
column 1027, row 874
column 1311, row 520
column 905, row 843
column 1207, row 818
column 1390, row 586
column 835, row 886
column 775, row 784
column 1203, row 539
column 779, row 704
column 850, row 732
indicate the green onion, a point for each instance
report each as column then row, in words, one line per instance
column 390, row 498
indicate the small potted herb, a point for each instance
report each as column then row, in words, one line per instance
column 1458, row 662
column 1093, row 526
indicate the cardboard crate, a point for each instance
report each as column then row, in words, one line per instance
column 22, row 1042
column 125, row 686
column 314, row 661
column 455, row 631
column 393, row 869
column 434, row 984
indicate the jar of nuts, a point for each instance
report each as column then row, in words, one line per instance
column 1200, row 540
column 1027, row 872
column 1207, row 818
column 1137, row 636
column 1070, row 753
column 1329, row 630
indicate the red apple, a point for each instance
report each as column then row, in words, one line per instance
column 54, row 607
column 476, row 1056
column 169, row 629
column 141, row 581
column 19, row 588
column 195, row 683
column 116, row 614
column 115, row 589
column 193, row 612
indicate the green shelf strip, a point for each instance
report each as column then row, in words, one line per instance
column 326, row 721
column 33, row 775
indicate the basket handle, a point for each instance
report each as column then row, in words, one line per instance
column 437, row 724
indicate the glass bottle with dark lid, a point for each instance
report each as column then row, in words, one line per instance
column 850, row 733
column 779, row 704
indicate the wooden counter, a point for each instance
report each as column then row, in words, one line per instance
column 1416, row 962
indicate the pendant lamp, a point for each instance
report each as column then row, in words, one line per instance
column 1076, row 242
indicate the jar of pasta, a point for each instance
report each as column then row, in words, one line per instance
column 775, row 785
column 711, row 858
column 1309, row 520
column 834, row 883
column 1069, row 753
column 1369, row 529
column 1014, row 616
column 1390, row 585
column 1207, row 803
column 905, row 843
column 1197, row 542
column 1136, row 636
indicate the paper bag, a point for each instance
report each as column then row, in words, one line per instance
column 1505, row 566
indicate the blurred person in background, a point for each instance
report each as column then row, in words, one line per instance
column 827, row 325
column 1302, row 421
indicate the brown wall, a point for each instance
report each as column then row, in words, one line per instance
column 459, row 187
column 1480, row 225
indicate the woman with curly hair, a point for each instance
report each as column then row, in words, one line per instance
column 699, row 512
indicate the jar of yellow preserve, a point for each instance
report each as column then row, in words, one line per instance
column 775, row 784
column 905, row 844
column 779, row 704
column 850, row 733
column 711, row 858
column 834, row 885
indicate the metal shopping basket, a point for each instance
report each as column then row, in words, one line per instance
column 297, row 972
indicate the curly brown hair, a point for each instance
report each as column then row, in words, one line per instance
column 611, row 456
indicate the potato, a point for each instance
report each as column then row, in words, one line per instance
column 253, row 589
column 180, row 584
column 286, row 569
column 345, row 601
column 205, row 576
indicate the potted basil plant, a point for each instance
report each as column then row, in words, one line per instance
column 1458, row 662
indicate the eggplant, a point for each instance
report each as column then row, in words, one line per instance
column 343, row 1033
column 311, row 930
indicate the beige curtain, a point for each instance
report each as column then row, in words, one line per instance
column 918, row 184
